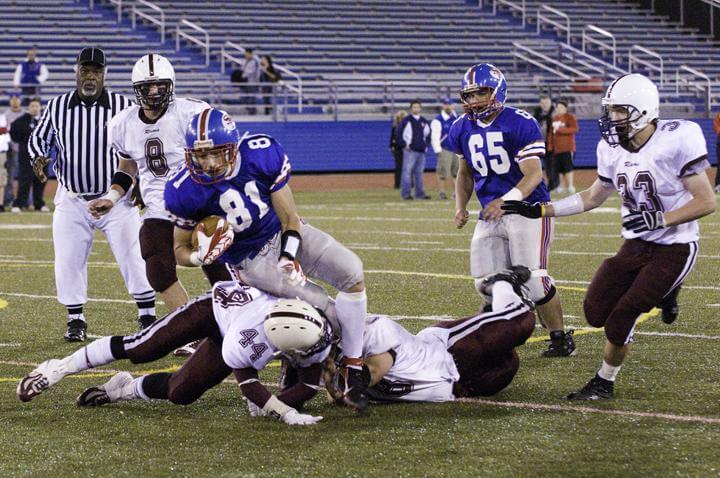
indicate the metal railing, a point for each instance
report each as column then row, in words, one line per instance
column 225, row 54
column 202, row 44
column 587, row 39
column 543, row 18
column 707, row 88
column 519, row 6
column 634, row 59
column 544, row 62
column 118, row 4
column 136, row 12
column 591, row 62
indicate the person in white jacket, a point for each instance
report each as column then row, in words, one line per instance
column 447, row 161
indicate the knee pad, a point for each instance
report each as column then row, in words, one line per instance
column 349, row 271
column 593, row 314
column 478, row 287
column 180, row 395
column 161, row 271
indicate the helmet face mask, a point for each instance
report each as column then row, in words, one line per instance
column 154, row 95
column 480, row 102
column 210, row 165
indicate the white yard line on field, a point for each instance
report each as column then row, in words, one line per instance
column 599, row 411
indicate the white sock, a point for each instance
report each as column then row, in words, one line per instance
column 92, row 355
column 608, row 372
column 76, row 317
column 351, row 308
column 126, row 392
column 503, row 296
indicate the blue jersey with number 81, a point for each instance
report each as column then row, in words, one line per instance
column 243, row 199
column 494, row 152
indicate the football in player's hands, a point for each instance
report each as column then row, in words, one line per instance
column 207, row 226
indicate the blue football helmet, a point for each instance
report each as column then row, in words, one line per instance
column 211, row 146
column 476, row 78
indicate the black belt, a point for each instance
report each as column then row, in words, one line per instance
column 90, row 196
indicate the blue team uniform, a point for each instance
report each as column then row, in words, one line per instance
column 243, row 199
column 493, row 152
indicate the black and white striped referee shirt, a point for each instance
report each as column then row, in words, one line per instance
column 85, row 161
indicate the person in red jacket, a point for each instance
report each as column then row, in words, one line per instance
column 562, row 139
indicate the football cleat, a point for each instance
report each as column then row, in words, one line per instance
column 596, row 389
column 145, row 321
column 352, row 380
column 187, row 349
column 670, row 307
column 76, row 331
column 43, row 377
column 109, row 392
column 561, row 344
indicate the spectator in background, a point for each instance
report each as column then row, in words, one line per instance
column 20, row 132
column 447, row 161
column 716, row 127
column 543, row 115
column 562, row 141
column 395, row 148
column 14, row 112
column 30, row 74
column 268, row 74
column 413, row 135
column 251, row 73
column 4, row 146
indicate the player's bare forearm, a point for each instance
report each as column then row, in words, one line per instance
column 532, row 175
column 283, row 204
column 128, row 167
column 702, row 203
column 182, row 240
column 379, row 365
column 463, row 185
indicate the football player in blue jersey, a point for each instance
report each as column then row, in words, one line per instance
column 245, row 181
column 502, row 149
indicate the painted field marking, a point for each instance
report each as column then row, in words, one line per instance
column 599, row 411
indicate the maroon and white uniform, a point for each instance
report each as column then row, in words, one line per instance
column 650, row 264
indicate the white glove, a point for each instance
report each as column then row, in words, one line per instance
column 292, row 271
column 212, row 247
column 255, row 411
column 293, row 417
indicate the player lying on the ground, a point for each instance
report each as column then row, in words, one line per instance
column 245, row 180
column 244, row 329
column 470, row 357
column 659, row 172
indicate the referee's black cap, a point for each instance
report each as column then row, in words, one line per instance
column 91, row 55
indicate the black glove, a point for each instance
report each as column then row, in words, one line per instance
column 524, row 208
column 643, row 221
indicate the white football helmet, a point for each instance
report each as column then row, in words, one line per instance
column 639, row 96
column 297, row 328
column 150, row 71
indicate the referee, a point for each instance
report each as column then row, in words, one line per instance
column 75, row 124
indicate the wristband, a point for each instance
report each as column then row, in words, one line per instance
column 122, row 179
column 275, row 408
column 290, row 244
column 113, row 196
column 569, row 206
column 513, row 195
column 195, row 259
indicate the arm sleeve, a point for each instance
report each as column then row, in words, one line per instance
column 435, row 132
column 691, row 156
column 174, row 204
column 407, row 134
column 17, row 76
column 531, row 144
column 116, row 137
column 305, row 389
column 43, row 76
column 604, row 172
column 41, row 136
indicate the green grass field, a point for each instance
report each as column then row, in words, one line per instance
column 664, row 421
